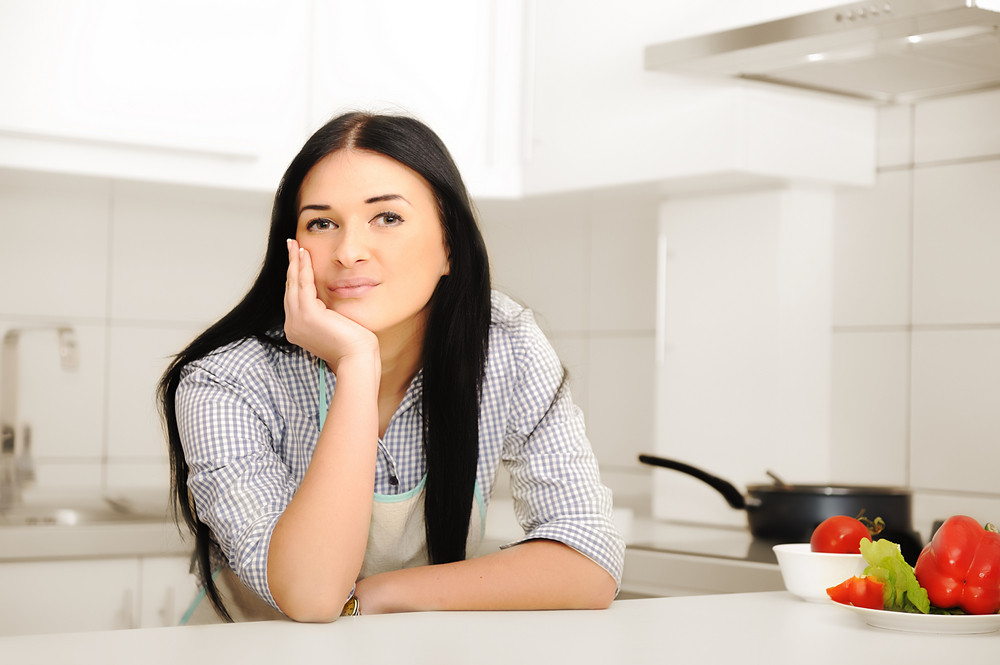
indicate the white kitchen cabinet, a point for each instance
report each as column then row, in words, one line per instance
column 68, row 596
column 455, row 64
column 223, row 93
column 98, row 594
column 183, row 91
column 168, row 587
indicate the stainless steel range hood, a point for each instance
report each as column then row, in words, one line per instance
column 886, row 50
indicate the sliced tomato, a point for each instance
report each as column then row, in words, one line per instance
column 858, row 591
column 842, row 592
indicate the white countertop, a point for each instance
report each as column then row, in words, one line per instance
column 768, row 628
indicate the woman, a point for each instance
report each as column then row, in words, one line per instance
column 370, row 353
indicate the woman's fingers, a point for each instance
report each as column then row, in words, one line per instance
column 306, row 280
column 291, row 281
column 305, row 314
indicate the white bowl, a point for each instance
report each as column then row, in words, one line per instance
column 809, row 574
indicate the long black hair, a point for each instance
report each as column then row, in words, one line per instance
column 455, row 341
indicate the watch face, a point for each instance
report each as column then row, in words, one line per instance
column 352, row 608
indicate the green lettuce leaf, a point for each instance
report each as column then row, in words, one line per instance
column 901, row 591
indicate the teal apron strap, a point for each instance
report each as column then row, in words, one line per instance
column 321, row 409
column 200, row 596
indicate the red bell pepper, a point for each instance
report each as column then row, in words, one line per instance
column 858, row 591
column 960, row 567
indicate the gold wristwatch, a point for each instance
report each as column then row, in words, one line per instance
column 352, row 608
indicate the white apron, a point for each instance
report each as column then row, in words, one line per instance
column 397, row 536
column 396, row 539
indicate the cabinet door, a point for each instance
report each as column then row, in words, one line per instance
column 167, row 590
column 186, row 90
column 68, row 596
column 455, row 64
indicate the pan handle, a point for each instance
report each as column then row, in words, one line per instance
column 725, row 488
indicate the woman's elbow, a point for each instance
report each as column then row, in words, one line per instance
column 309, row 605
column 601, row 593
column 312, row 611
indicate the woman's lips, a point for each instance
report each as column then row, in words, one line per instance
column 352, row 288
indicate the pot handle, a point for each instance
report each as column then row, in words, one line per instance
column 725, row 488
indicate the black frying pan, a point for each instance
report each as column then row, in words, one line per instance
column 789, row 512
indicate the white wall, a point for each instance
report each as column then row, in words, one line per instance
column 916, row 355
column 137, row 269
column 585, row 262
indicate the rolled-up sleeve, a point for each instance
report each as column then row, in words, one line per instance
column 239, row 484
column 555, row 481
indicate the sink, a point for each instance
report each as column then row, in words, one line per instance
column 83, row 511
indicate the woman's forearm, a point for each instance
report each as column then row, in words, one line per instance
column 539, row 574
column 318, row 544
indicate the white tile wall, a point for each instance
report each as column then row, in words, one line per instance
column 584, row 262
column 872, row 247
column 956, row 243
column 622, row 296
column 139, row 356
column 540, row 255
column 955, row 419
column 917, row 311
column 620, row 406
column 137, row 270
column 870, row 407
column 183, row 254
column 53, row 245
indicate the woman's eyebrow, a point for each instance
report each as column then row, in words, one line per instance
column 386, row 197
column 373, row 199
column 314, row 206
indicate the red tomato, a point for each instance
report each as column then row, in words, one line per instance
column 858, row 591
column 839, row 534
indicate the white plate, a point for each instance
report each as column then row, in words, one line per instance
column 927, row 623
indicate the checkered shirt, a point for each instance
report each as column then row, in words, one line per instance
column 249, row 421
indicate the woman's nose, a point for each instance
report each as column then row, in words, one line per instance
column 353, row 246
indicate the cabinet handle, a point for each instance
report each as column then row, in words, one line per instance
column 128, row 610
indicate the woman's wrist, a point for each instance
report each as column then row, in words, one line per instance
column 370, row 595
column 364, row 363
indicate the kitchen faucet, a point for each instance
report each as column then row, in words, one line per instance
column 17, row 468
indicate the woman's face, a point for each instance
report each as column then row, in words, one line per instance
column 372, row 229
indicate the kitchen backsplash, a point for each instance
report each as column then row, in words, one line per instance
column 139, row 268
column 916, row 314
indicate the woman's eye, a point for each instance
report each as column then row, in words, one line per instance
column 320, row 224
column 388, row 219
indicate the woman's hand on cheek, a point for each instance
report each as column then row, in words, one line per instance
column 310, row 325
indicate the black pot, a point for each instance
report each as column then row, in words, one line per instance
column 790, row 513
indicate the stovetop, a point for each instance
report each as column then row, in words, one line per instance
column 722, row 542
